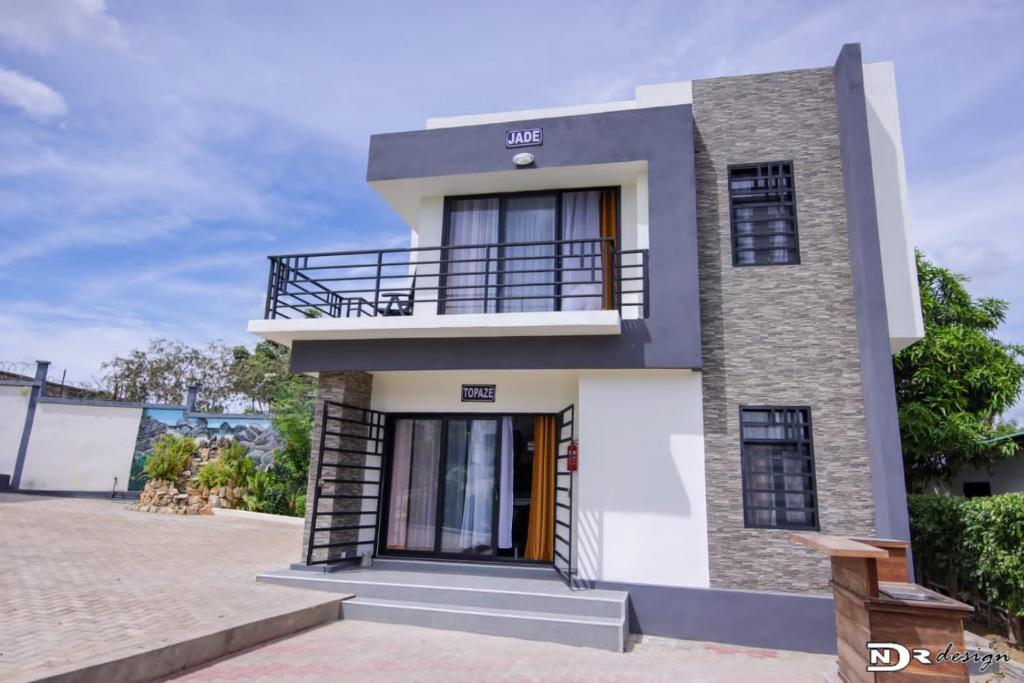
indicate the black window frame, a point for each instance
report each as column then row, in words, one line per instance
column 502, row 197
column 734, row 236
column 748, row 509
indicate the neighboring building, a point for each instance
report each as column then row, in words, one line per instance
column 698, row 291
column 54, row 389
column 1005, row 476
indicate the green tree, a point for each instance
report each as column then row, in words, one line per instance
column 953, row 385
column 166, row 368
column 256, row 375
column 292, row 416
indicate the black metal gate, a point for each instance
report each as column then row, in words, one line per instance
column 563, row 495
column 346, row 498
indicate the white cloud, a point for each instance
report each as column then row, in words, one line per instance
column 38, row 100
column 41, row 25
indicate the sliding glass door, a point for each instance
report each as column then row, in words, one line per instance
column 470, row 472
column 442, row 490
column 412, row 509
column 530, row 251
column 528, row 272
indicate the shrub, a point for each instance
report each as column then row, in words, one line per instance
column 264, row 493
column 213, row 474
column 239, row 465
column 232, row 465
column 170, row 457
column 972, row 544
column 937, row 529
column 994, row 540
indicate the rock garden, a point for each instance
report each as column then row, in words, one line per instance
column 190, row 477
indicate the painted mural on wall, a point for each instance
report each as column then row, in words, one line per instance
column 255, row 433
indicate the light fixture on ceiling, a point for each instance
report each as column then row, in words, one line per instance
column 522, row 159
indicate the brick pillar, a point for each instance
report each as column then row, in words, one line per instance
column 354, row 389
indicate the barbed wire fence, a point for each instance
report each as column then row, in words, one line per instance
column 60, row 382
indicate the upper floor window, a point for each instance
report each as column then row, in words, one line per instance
column 530, row 251
column 762, row 206
column 778, row 468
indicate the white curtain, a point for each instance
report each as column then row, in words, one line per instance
column 582, row 273
column 529, row 219
column 398, row 507
column 426, row 449
column 470, row 282
column 505, row 492
column 478, row 501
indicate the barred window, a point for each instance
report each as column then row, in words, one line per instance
column 778, row 468
column 762, row 204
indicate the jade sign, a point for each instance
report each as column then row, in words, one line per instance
column 524, row 137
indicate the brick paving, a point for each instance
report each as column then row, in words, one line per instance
column 386, row 653
column 84, row 581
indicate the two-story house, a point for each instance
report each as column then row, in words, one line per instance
column 631, row 345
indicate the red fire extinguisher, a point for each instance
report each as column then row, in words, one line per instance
column 573, row 461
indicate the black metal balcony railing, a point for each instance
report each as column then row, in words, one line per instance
column 589, row 274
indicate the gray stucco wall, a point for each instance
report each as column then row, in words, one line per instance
column 880, row 410
column 668, row 338
column 778, row 335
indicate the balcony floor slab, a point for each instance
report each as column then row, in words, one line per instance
column 527, row 324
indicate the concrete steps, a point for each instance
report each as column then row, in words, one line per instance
column 526, row 605
column 606, row 633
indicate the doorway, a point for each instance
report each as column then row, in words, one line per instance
column 469, row 487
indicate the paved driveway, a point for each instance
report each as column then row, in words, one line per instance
column 385, row 653
column 83, row 581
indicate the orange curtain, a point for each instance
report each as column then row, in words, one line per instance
column 540, row 537
column 609, row 216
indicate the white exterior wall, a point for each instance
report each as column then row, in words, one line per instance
column 13, row 406
column 1006, row 477
column 641, row 507
column 517, row 391
column 639, row 494
column 80, row 447
column 899, row 270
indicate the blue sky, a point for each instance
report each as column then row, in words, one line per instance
column 152, row 154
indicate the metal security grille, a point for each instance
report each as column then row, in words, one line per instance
column 778, row 468
column 563, row 495
column 762, row 205
column 346, row 498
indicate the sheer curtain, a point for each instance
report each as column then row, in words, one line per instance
column 413, row 501
column 479, row 487
column 469, row 280
column 581, row 274
column 398, row 507
column 529, row 219
column 505, row 486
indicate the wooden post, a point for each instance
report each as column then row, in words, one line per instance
column 874, row 602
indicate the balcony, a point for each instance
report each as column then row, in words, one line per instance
column 561, row 287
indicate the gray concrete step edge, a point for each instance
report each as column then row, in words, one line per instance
column 188, row 654
column 597, row 632
column 531, row 571
column 578, row 603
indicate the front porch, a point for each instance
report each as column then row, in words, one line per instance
column 520, row 601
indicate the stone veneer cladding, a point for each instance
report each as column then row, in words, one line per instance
column 778, row 335
column 353, row 389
